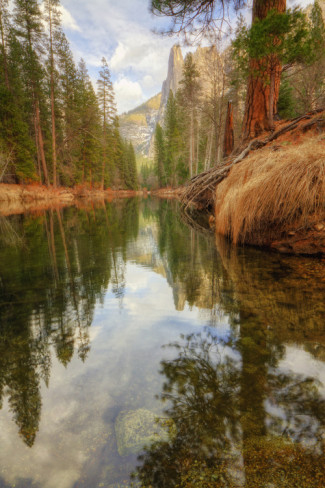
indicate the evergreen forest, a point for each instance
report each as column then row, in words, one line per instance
column 55, row 129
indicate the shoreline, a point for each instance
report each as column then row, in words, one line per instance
column 17, row 199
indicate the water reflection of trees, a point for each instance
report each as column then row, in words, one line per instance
column 237, row 418
column 54, row 268
column 285, row 293
column 224, row 432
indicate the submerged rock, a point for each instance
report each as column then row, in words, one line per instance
column 136, row 428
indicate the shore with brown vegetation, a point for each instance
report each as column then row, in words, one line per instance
column 16, row 199
column 168, row 193
column 271, row 194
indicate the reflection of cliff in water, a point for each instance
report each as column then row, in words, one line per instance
column 238, row 415
column 167, row 246
column 54, row 269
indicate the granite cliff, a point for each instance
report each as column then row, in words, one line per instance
column 139, row 124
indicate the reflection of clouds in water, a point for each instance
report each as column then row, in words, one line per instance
column 301, row 362
column 121, row 367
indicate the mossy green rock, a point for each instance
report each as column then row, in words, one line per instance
column 135, row 429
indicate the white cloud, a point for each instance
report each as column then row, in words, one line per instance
column 122, row 32
column 118, row 57
column 68, row 22
column 128, row 94
column 148, row 81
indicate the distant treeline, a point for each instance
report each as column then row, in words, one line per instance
column 54, row 127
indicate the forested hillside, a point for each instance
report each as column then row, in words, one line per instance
column 54, row 127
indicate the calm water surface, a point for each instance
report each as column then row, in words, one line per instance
column 134, row 349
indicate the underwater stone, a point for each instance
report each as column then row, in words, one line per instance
column 135, row 429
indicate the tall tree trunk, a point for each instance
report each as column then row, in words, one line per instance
column 191, row 144
column 257, row 115
column 104, row 145
column 4, row 52
column 271, row 100
column 37, row 151
column 228, row 144
column 37, row 119
column 54, row 158
column 197, row 145
column 41, row 143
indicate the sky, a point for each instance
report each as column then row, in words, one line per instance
column 122, row 32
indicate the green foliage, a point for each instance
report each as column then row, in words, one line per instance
column 194, row 17
column 280, row 37
column 160, row 156
column 286, row 102
column 303, row 86
column 176, row 145
column 47, row 103
column 60, row 268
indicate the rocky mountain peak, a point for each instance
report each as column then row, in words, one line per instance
column 174, row 74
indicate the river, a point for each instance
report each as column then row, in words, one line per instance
column 136, row 350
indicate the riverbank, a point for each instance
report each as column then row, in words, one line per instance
column 168, row 193
column 276, row 198
column 16, row 199
column 272, row 194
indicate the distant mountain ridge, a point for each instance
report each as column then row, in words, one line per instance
column 138, row 124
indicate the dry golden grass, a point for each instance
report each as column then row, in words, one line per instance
column 271, row 191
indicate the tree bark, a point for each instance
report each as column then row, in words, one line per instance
column 41, row 143
column 54, row 158
column 228, row 144
column 4, row 52
column 258, row 112
column 191, row 143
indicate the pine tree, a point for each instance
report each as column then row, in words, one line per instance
column 68, row 85
column 172, row 141
column 16, row 148
column 132, row 166
column 160, row 156
column 90, row 130
column 16, row 112
column 280, row 38
column 53, row 19
column 189, row 96
column 107, row 105
column 4, row 28
column 29, row 28
column 49, row 107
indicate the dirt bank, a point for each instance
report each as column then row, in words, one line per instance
column 276, row 198
column 15, row 199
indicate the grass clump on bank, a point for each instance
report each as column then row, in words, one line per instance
column 274, row 190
